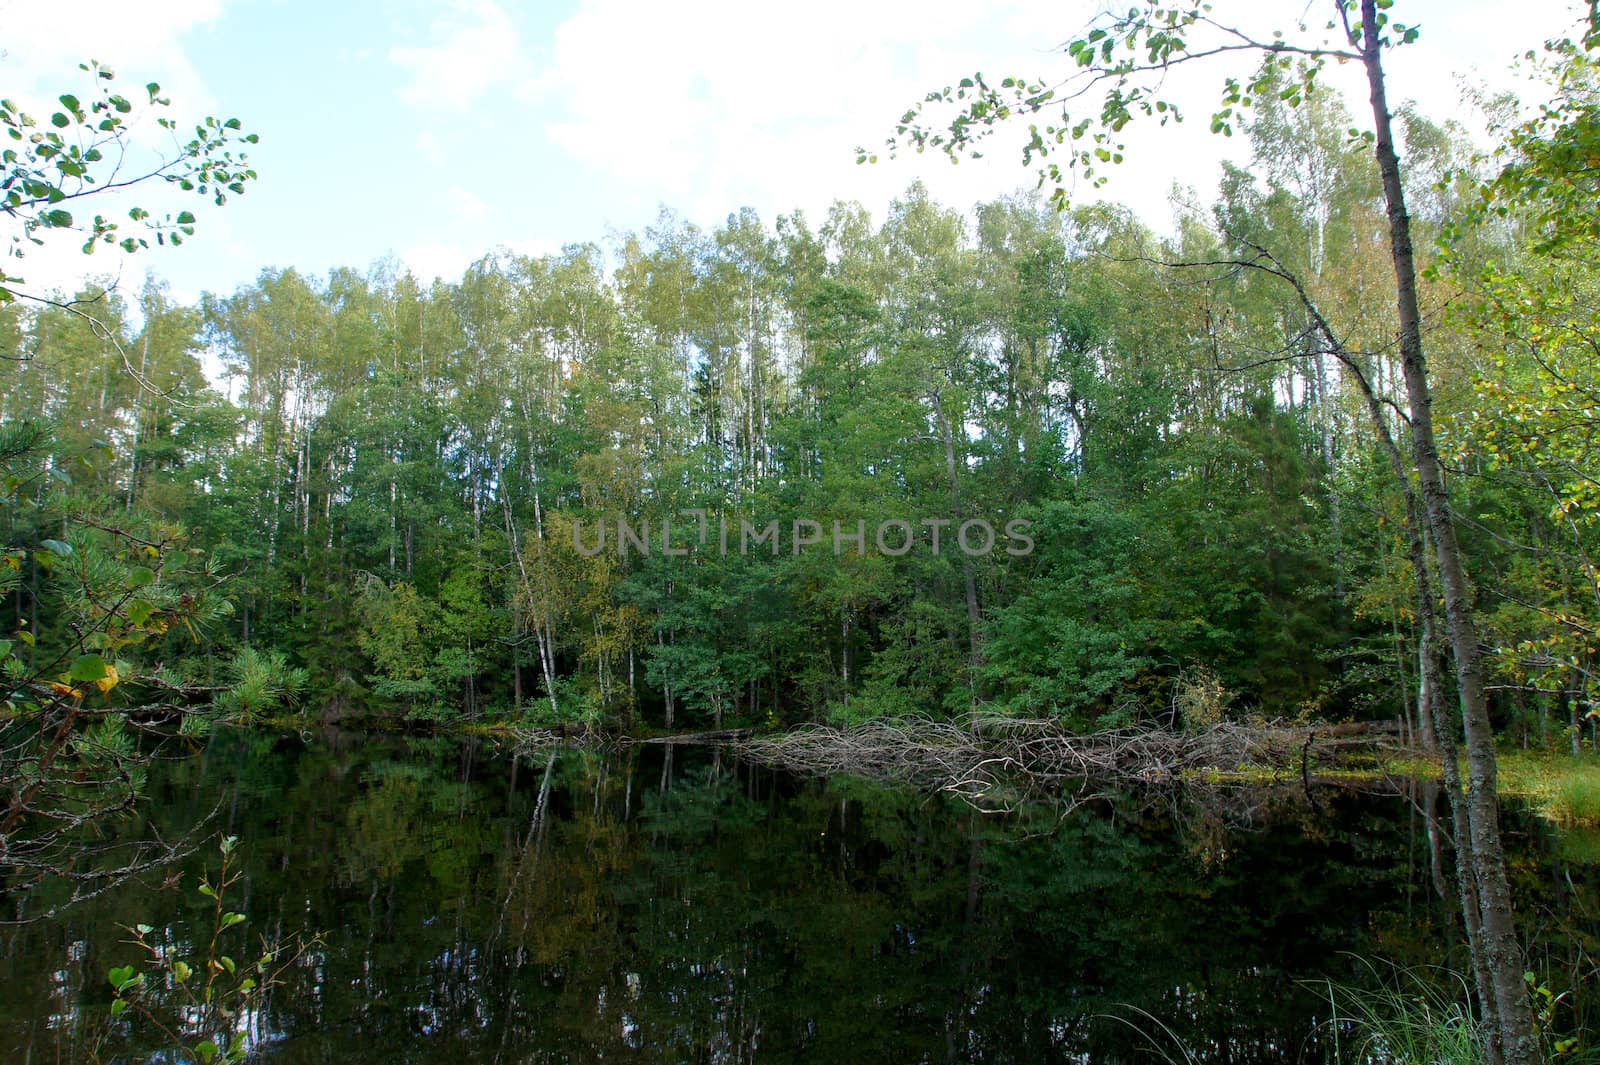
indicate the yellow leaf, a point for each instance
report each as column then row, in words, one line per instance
column 109, row 681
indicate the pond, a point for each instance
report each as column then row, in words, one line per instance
column 679, row 905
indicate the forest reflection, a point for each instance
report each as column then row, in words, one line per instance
column 662, row 904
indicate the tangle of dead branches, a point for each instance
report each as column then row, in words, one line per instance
column 982, row 757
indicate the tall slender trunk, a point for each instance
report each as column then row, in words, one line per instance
column 138, row 416
column 543, row 634
column 1502, row 953
column 968, row 577
column 1434, row 718
column 666, row 686
column 1434, row 722
column 1431, row 703
column 1330, row 458
column 394, row 524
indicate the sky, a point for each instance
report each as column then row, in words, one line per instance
column 433, row 132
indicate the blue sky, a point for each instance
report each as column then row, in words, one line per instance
column 433, row 132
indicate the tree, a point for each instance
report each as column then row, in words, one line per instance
column 1524, row 253
column 103, row 594
column 1124, row 57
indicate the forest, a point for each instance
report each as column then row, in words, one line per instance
column 932, row 478
column 381, row 478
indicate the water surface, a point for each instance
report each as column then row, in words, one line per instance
column 687, row 907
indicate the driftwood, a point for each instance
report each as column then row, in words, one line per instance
column 576, row 735
column 993, row 761
column 580, row 735
column 727, row 735
column 981, row 757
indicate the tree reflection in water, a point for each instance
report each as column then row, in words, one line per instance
column 579, row 906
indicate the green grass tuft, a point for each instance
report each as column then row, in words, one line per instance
column 1406, row 1017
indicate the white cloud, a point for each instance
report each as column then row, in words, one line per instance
column 731, row 103
column 430, row 147
column 140, row 41
column 468, row 205
column 724, row 103
column 430, row 260
column 477, row 47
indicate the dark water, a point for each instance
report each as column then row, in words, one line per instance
column 703, row 910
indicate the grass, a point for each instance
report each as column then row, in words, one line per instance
column 1351, row 768
column 1561, row 788
column 1406, row 1018
column 1398, row 1015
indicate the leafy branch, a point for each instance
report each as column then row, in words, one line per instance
column 84, row 152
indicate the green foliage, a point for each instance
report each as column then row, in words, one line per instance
column 95, row 609
column 260, row 682
column 196, row 1001
column 424, row 650
column 394, row 488
column 395, row 494
column 1530, row 422
column 1122, row 60
column 48, row 170
column 1199, row 698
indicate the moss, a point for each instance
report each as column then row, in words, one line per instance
column 1354, row 769
column 1413, row 766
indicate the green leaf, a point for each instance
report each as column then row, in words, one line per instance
column 207, row 1050
column 139, row 611
column 121, row 976
column 87, row 667
column 140, row 576
column 231, row 919
column 185, row 218
column 118, row 1006
column 181, row 971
